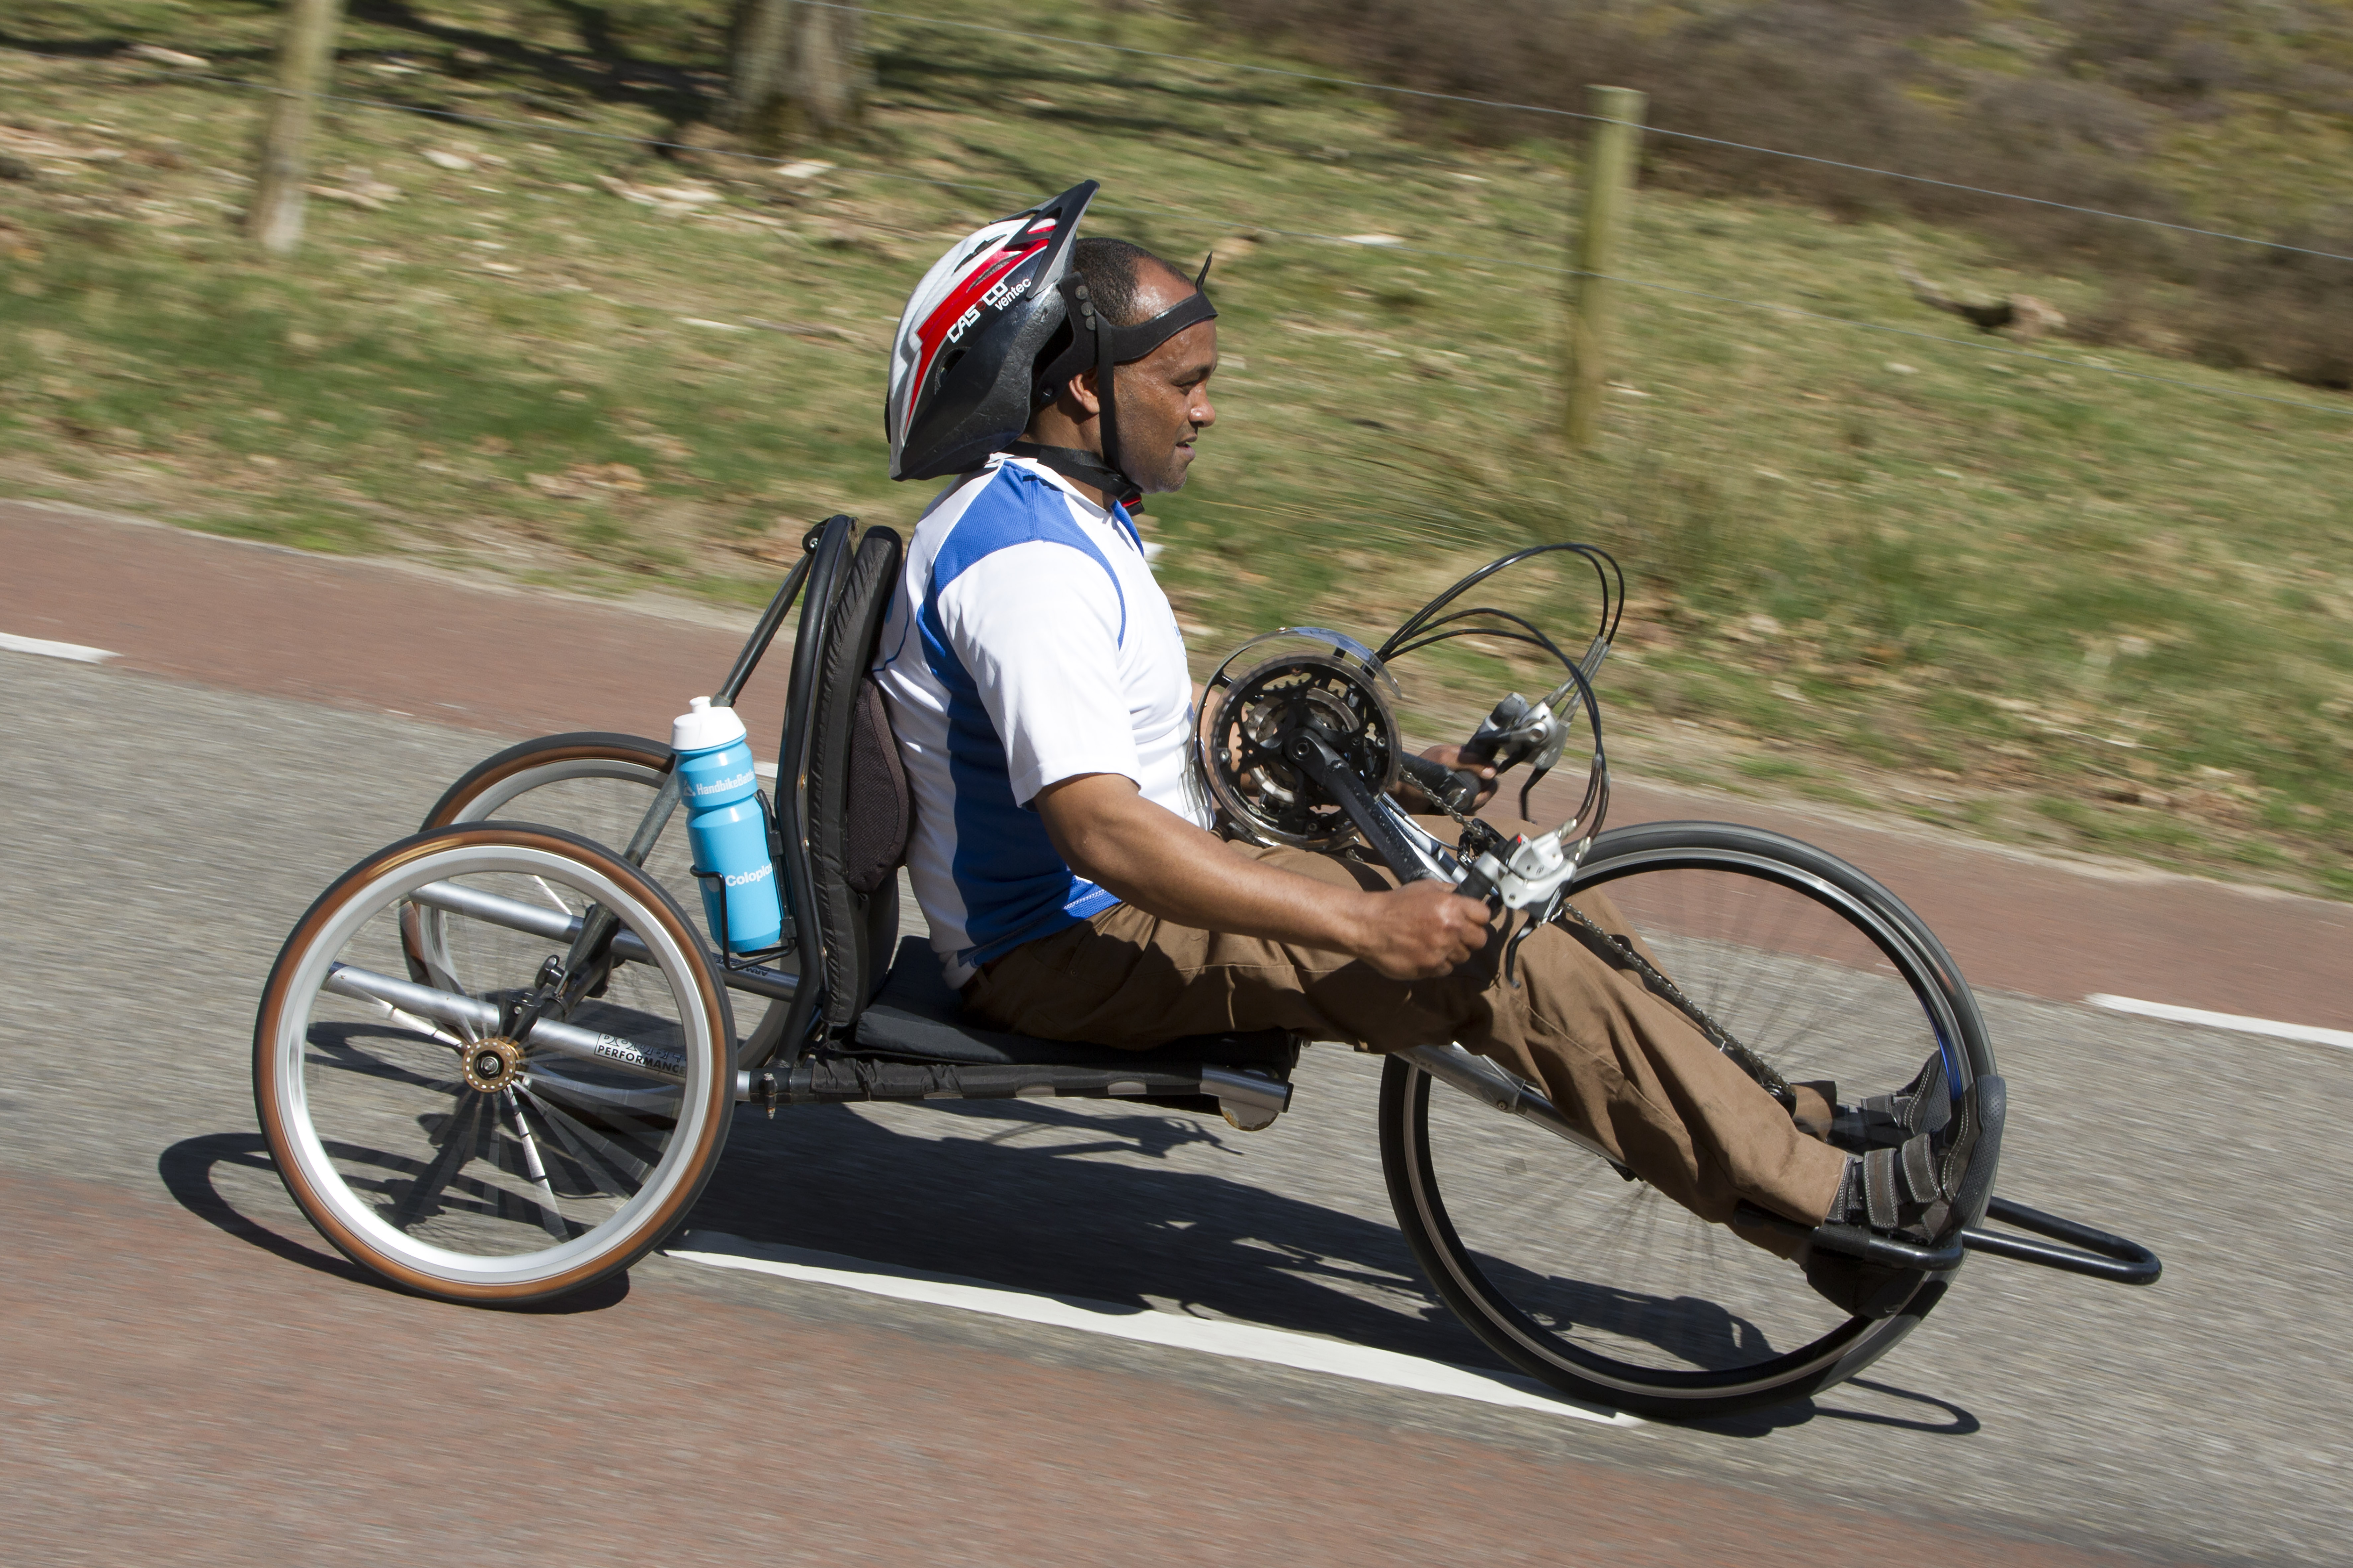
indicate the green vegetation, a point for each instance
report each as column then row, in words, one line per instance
column 2013, row 594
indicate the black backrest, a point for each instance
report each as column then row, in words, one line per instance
column 858, row 807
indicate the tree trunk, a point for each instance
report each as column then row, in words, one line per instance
column 306, row 51
column 824, row 97
column 758, row 103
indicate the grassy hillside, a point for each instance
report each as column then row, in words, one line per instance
column 2017, row 593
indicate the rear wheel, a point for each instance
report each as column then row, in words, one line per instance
column 597, row 783
column 428, row 1144
column 593, row 782
column 1595, row 1283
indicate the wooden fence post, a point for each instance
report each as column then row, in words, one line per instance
column 306, row 51
column 1608, row 179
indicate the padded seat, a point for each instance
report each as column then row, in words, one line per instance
column 918, row 1019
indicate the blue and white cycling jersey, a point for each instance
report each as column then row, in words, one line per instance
column 1027, row 643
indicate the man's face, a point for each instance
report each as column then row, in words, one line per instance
column 1164, row 398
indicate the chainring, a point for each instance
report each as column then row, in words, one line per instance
column 1261, row 790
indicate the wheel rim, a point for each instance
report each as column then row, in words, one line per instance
column 562, row 1170
column 1567, row 1267
column 602, row 797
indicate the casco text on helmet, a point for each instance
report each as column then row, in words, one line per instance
column 971, row 341
column 997, row 327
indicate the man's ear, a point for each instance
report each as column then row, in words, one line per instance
column 1081, row 393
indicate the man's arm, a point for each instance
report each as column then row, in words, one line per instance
column 1151, row 857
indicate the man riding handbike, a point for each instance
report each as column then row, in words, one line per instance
column 1064, row 848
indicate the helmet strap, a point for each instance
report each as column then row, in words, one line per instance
column 1086, row 467
column 1115, row 346
column 1127, row 492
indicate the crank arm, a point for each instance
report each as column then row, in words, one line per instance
column 1392, row 836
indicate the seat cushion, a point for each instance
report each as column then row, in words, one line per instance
column 918, row 1019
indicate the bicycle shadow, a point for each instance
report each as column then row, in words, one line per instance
column 187, row 1170
column 1055, row 1221
column 1958, row 1423
column 1052, row 1219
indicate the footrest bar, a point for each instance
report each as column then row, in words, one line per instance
column 2095, row 1254
column 1857, row 1241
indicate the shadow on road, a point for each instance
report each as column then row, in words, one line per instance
column 1018, row 1195
column 1046, row 1220
column 186, row 1168
column 987, row 1203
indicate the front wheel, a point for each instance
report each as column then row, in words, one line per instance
column 1591, row 1280
column 432, row 1141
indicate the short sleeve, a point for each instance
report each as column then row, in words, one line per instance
column 1038, row 625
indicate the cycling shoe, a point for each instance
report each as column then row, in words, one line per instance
column 1889, row 1121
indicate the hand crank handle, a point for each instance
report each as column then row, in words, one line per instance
column 1456, row 789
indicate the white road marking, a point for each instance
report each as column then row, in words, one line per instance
column 2307, row 1032
column 1241, row 1341
column 72, row 650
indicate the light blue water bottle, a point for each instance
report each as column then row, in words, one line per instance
column 725, row 825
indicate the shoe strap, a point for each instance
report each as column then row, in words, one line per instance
column 1882, row 1202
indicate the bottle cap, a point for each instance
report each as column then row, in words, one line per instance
column 703, row 727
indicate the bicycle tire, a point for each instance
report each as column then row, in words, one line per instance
column 577, row 1162
column 1640, row 1306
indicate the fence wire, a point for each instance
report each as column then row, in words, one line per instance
column 1146, row 206
column 1647, row 130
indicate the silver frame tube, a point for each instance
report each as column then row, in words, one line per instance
column 449, row 1008
column 1499, row 1090
column 557, row 926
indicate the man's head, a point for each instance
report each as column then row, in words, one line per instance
column 1160, row 401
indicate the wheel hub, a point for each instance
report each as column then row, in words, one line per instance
column 493, row 1063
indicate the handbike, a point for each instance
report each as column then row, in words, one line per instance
column 498, row 1059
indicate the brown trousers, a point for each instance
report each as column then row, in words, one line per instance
column 1621, row 1062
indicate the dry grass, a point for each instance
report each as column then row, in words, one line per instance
column 2013, row 595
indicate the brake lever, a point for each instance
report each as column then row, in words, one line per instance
column 1545, row 917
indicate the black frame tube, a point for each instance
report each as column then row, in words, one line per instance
column 762, row 635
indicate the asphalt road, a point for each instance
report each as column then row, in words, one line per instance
column 190, row 1376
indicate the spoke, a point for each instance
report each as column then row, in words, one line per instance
column 459, row 1140
column 349, row 1058
column 554, row 897
column 425, row 1027
column 620, row 1121
column 603, row 1098
column 551, row 1218
column 586, row 1144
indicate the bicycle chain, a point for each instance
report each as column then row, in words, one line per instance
column 1748, row 1060
column 1767, row 1077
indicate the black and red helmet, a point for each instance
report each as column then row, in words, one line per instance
column 994, row 328
column 976, row 336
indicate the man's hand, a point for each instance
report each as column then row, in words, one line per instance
column 1107, row 832
column 1419, row 932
